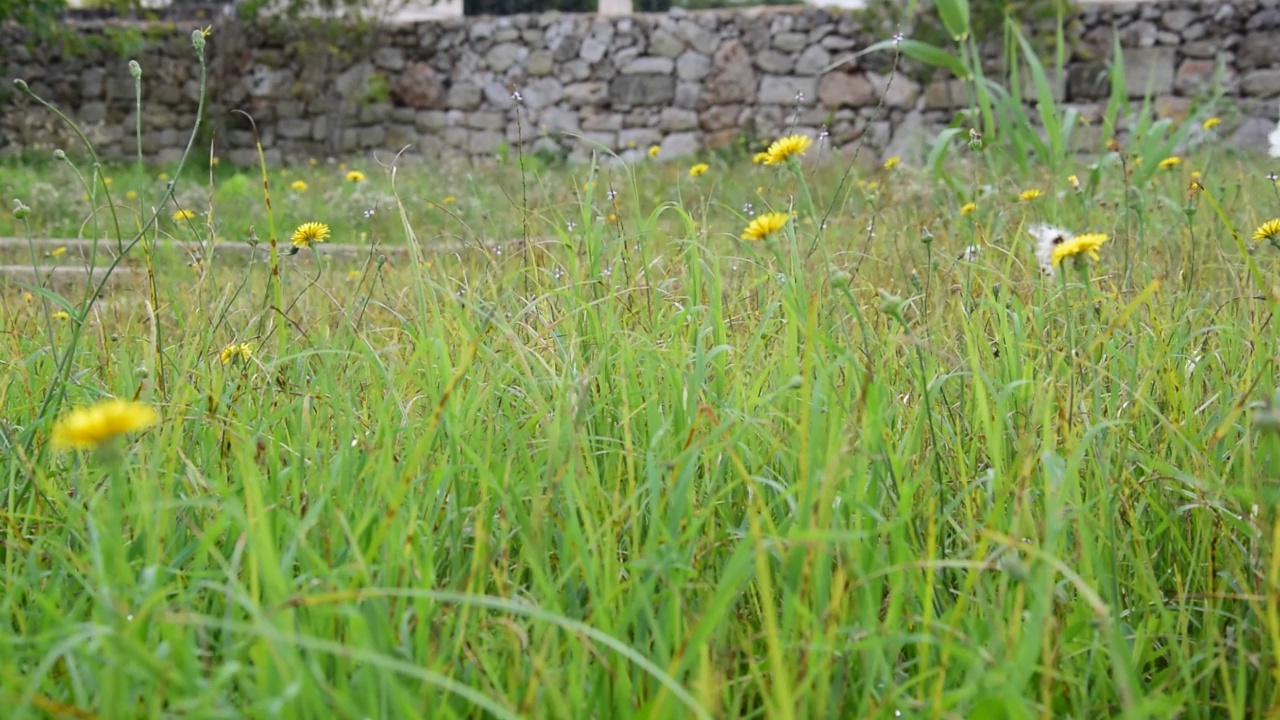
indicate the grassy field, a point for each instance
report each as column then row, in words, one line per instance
column 878, row 464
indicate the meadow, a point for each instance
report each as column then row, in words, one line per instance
column 891, row 457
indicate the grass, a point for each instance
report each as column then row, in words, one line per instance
column 641, row 468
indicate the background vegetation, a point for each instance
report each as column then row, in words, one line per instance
column 625, row 464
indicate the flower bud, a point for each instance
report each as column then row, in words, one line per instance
column 20, row 211
column 135, row 70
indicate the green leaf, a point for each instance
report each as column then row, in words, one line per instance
column 955, row 17
column 916, row 50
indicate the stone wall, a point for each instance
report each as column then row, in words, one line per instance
column 468, row 87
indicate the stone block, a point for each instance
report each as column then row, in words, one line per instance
column 692, row 66
column 586, row 94
column 732, row 78
column 790, row 42
column 812, row 61
column 463, row 96
column 674, row 119
column 484, row 142
column 649, row 66
column 1149, row 69
column 678, row 145
column 1258, row 51
column 389, row 58
column 294, row 128
column 775, row 62
column 839, row 89
column 665, row 43
column 642, row 90
column 1261, row 83
column 788, row 90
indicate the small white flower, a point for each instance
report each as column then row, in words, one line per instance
column 970, row 253
column 1047, row 237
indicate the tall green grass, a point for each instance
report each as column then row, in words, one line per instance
column 643, row 469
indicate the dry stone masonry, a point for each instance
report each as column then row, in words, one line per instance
column 470, row 88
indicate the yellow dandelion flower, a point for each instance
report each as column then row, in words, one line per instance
column 968, row 208
column 654, row 150
column 1073, row 181
column 760, row 158
column 1268, row 231
column 765, row 225
column 1211, row 123
column 353, row 275
column 298, row 186
column 1170, row 162
column 698, row 169
column 1195, row 176
column 59, row 251
column 309, row 232
column 89, row 427
column 892, row 162
column 182, row 215
column 131, row 195
column 107, row 181
column 61, row 315
column 785, row 148
column 355, row 176
column 611, row 217
column 162, row 177
column 1086, row 244
column 449, row 200
column 1029, row 195
column 235, row 351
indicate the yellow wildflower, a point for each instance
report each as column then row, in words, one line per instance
column 131, row 195
column 355, row 176
column 312, row 162
column 353, row 275
column 1029, row 195
column 235, row 351
column 59, row 251
column 89, row 427
column 1086, row 244
column 785, row 148
column 1269, row 231
column 1195, row 176
column 892, row 162
column 183, row 214
column 1211, row 123
column 28, row 297
column 760, row 158
column 107, row 181
column 967, row 208
column 309, row 232
column 298, row 186
column 342, row 166
column 61, row 315
column 654, row 150
column 1073, row 181
column 449, row 200
column 162, row 177
column 765, row 225
column 698, row 169
column 1169, row 162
